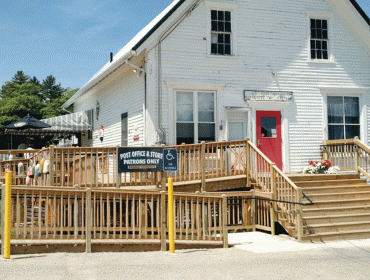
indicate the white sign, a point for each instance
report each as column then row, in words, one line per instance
column 281, row 96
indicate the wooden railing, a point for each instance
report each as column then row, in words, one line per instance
column 268, row 178
column 341, row 153
column 40, row 213
column 97, row 167
column 70, row 216
column 348, row 154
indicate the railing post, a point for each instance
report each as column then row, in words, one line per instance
column 7, row 214
column 203, row 166
column 118, row 175
column 324, row 154
column 299, row 225
column 247, row 163
column 253, row 210
column 88, row 220
column 2, row 213
column 163, row 221
column 51, row 165
column 357, row 156
column 225, row 238
column 273, row 203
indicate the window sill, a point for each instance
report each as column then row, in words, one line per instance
column 222, row 56
column 321, row 62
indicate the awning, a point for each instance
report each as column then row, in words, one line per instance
column 62, row 125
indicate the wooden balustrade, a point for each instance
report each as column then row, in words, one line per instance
column 341, row 153
column 271, row 180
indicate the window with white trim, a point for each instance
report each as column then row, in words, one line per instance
column 319, row 39
column 195, row 117
column 221, row 32
column 343, row 117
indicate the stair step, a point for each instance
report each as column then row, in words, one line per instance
column 339, row 210
column 349, row 234
column 339, row 196
column 343, row 218
column 304, row 184
column 320, row 177
column 336, row 188
column 339, row 202
column 332, row 227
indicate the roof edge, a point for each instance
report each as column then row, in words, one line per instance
column 155, row 27
column 360, row 11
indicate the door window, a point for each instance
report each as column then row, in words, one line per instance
column 268, row 127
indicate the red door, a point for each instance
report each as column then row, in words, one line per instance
column 269, row 135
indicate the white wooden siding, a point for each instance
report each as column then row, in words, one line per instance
column 269, row 37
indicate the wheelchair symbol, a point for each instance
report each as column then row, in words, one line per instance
column 169, row 156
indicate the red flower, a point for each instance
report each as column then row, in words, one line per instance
column 311, row 163
column 316, row 162
column 328, row 163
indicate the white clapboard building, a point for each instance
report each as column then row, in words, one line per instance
column 287, row 74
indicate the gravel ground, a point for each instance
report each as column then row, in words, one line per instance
column 253, row 256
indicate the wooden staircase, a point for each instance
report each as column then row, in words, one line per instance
column 341, row 208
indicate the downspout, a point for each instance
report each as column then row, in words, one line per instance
column 162, row 133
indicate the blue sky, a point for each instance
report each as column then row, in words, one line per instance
column 71, row 40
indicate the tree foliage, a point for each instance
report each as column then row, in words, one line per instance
column 24, row 96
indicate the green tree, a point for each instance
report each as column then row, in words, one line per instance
column 50, row 90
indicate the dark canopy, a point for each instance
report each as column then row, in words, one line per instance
column 27, row 123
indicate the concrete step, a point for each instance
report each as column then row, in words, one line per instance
column 335, row 189
column 303, row 184
column 343, row 235
column 340, row 218
column 339, row 196
column 321, row 177
column 339, row 210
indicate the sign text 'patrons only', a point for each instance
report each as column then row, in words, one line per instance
column 140, row 159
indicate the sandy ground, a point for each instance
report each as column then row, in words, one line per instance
column 253, row 255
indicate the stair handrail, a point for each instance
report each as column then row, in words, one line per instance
column 362, row 158
column 272, row 180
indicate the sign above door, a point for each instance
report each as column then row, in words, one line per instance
column 263, row 96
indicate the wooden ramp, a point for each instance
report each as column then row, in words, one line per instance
column 341, row 208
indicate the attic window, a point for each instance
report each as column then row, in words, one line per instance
column 319, row 39
column 220, row 32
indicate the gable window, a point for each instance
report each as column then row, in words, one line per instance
column 319, row 39
column 195, row 117
column 221, row 32
column 343, row 117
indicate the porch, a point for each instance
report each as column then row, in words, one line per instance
column 219, row 187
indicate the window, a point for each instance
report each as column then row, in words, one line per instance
column 195, row 120
column 319, row 39
column 220, row 32
column 343, row 117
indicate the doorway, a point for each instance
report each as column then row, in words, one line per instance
column 268, row 124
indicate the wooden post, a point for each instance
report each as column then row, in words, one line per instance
column 118, row 175
column 51, row 166
column 273, row 203
column 88, row 220
column 93, row 171
column 203, row 167
column 247, row 163
column 357, row 156
column 324, row 154
column 253, row 210
column 2, row 213
column 225, row 240
column 299, row 221
column 163, row 221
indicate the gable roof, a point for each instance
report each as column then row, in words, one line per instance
column 130, row 48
